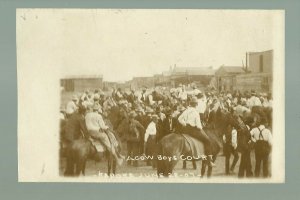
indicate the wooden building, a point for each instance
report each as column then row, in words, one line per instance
column 81, row 83
column 259, row 76
column 226, row 77
column 200, row 76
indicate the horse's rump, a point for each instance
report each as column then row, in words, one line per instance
column 181, row 144
column 196, row 148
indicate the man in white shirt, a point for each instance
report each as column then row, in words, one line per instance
column 190, row 119
column 230, row 147
column 262, row 137
column 253, row 100
column 151, row 129
column 150, row 140
column 97, row 130
column 182, row 94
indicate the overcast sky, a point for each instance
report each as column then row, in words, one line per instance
column 121, row 44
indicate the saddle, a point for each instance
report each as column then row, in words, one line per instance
column 98, row 145
column 197, row 147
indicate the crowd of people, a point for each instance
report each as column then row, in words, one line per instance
column 143, row 117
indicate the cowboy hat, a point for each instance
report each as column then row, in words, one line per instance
column 168, row 111
column 139, row 109
column 181, row 108
column 96, row 106
column 196, row 92
column 149, row 110
column 154, row 117
column 96, row 96
column 194, row 101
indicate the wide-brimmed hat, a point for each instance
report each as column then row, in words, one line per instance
column 96, row 106
column 149, row 110
column 197, row 91
column 193, row 101
column 243, row 102
column 181, row 108
column 139, row 109
column 199, row 95
column 154, row 117
column 229, row 95
column 168, row 111
column 96, row 96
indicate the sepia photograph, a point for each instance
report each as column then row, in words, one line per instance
column 151, row 95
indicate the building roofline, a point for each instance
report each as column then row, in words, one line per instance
column 82, row 76
column 259, row 52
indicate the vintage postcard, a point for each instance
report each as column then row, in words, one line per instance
column 151, row 95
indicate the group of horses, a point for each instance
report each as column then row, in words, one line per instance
column 171, row 145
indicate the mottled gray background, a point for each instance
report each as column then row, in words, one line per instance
column 11, row 189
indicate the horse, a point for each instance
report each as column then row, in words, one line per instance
column 79, row 150
column 176, row 146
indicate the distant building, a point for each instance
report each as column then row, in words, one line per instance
column 173, row 77
column 80, row 83
column 200, row 76
column 261, row 62
column 109, row 86
column 139, row 82
column 259, row 74
column 226, row 77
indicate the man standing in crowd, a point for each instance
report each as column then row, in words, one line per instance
column 262, row 138
column 167, row 125
column 150, row 139
column 190, row 119
column 119, row 94
column 253, row 100
column 142, row 98
column 230, row 147
column 245, row 148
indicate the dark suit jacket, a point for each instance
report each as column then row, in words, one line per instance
column 165, row 127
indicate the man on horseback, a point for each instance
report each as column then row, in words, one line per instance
column 190, row 119
column 97, row 130
column 74, row 129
